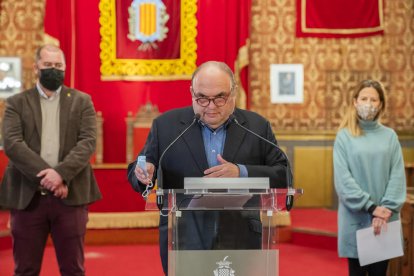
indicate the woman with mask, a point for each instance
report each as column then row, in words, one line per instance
column 369, row 174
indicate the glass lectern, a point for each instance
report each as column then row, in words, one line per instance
column 222, row 226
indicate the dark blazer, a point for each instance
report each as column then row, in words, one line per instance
column 187, row 158
column 22, row 125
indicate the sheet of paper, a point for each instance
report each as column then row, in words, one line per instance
column 387, row 245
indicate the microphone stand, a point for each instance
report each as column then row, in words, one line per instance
column 289, row 198
column 159, row 192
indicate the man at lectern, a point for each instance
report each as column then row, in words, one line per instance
column 206, row 140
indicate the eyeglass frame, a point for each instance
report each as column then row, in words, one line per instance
column 212, row 99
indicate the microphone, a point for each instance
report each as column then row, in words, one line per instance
column 159, row 170
column 289, row 198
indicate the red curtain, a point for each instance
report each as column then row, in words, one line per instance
column 223, row 26
column 59, row 24
column 339, row 18
column 220, row 39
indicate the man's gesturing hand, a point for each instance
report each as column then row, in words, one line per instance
column 225, row 169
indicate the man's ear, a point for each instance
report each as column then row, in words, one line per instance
column 35, row 69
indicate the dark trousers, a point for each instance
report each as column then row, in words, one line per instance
column 30, row 229
column 375, row 269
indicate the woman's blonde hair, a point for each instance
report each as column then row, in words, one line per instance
column 350, row 121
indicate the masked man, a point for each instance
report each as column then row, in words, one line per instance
column 49, row 136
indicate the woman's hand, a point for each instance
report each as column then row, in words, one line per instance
column 377, row 224
column 382, row 212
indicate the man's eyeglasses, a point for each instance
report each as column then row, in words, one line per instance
column 219, row 101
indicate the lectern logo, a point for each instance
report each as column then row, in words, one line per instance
column 224, row 268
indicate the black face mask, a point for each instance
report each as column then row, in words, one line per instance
column 51, row 78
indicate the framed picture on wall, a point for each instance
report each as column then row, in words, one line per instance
column 286, row 83
column 10, row 76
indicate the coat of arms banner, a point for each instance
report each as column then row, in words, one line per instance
column 147, row 39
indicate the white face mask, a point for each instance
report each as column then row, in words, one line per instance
column 367, row 112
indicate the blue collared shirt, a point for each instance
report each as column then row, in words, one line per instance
column 214, row 144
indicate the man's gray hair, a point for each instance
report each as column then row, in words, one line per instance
column 48, row 47
column 220, row 65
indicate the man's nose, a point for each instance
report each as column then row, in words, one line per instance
column 211, row 102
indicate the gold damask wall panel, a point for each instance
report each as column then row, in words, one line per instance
column 314, row 174
column 21, row 25
column 332, row 67
column 408, row 154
